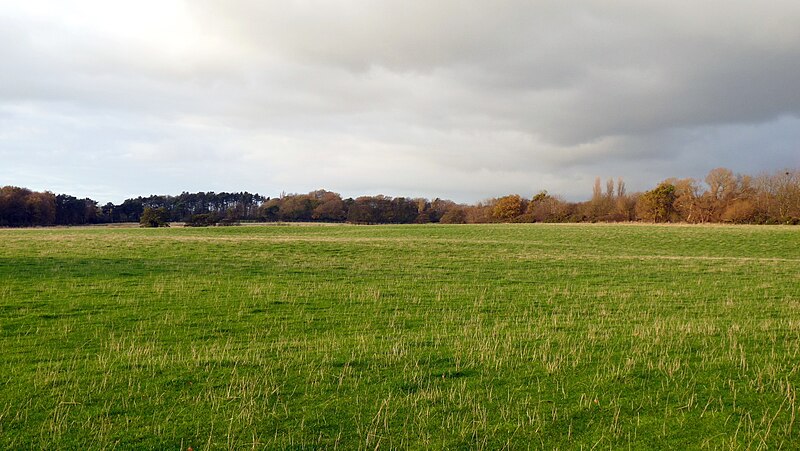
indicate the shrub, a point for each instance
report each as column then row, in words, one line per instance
column 202, row 220
column 154, row 217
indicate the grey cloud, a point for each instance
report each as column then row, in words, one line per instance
column 624, row 62
column 453, row 98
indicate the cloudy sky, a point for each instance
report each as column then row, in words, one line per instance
column 452, row 98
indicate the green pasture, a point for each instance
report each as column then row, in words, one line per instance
column 431, row 336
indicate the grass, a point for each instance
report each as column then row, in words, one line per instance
column 488, row 336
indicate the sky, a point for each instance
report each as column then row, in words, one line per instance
column 456, row 99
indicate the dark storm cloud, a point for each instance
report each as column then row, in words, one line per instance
column 464, row 99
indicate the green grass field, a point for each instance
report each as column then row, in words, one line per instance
column 486, row 336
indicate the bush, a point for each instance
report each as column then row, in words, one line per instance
column 154, row 217
column 228, row 222
column 202, row 220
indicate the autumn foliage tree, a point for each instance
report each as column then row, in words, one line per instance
column 21, row 207
column 328, row 206
column 508, row 208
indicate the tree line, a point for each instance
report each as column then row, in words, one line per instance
column 722, row 197
column 21, row 207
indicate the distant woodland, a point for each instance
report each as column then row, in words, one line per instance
column 722, row 197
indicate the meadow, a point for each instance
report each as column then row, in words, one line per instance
column 431, row 336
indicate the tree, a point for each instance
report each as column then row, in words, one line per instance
column 480, row 213
column 41, row 208
column 296, row 207
column 362, row 211
column 13, row 209
column 129, row 211
column 154, row 217
column 657, row 205
column 71, row 210
column 508, row 207
column 722, row 188
column 546, row 208
column 688, row 202
column 779, row 196
column 432, row 211
column 269, row 210
column 330, row 208
column 624, row 205
column 602, row 205
column 721, row 183
column 455, row 215
column 401, row 211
